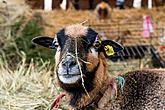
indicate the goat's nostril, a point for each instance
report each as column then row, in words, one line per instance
column 64, row 64
column 69, row 61
column 68, row 64
column 72, row 63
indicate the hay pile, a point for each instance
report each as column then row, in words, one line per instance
column 10, row 12
column 57, row 19
column 28, row 87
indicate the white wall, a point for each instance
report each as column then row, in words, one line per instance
column 149, row 4
column 47, row 5
column 137, row 3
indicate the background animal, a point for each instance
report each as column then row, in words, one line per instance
column 81, row 69
column 103, row 11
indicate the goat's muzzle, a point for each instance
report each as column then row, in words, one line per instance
column 68, row 70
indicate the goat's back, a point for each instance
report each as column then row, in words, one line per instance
column 143, row 90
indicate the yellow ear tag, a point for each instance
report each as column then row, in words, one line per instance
column 109, row 50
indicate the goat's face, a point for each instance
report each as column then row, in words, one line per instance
column 77, row 54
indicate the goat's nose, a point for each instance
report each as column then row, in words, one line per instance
column 68, row 62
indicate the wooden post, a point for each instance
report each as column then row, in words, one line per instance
column 144, row 3
column 163, row 2
column 56, row 4
column 47, row 5
column 112, row 3
column 128, row 3
column 35, row 4
column 157, row 3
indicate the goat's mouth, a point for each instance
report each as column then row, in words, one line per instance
column 69, row 78
column 68, row 75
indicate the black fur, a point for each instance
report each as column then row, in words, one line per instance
column 44, row 41
column 61, row 37
column 89, row 39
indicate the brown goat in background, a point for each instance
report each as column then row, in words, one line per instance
column 103, row 11
column 82, row 71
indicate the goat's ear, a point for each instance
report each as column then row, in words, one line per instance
column 109, row 47
column 47, row 42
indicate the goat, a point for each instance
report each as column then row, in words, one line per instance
column 103, row 11
column 82, row 71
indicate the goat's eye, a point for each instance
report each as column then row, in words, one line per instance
column 56, row 45
column 96, row 45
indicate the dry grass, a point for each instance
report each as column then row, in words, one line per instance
column 28, row 87
column 10, row 13
column 121, row 67
column 58, row 19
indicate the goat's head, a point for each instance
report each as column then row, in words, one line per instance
column 79, row 50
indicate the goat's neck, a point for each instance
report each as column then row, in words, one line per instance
column 100, row 84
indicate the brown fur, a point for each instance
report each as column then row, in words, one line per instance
column 92, row 62
column 153, row 80
column 77, row 30
column 143, row 89
column 100, row 79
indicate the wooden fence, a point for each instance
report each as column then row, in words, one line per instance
column 138, row 52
